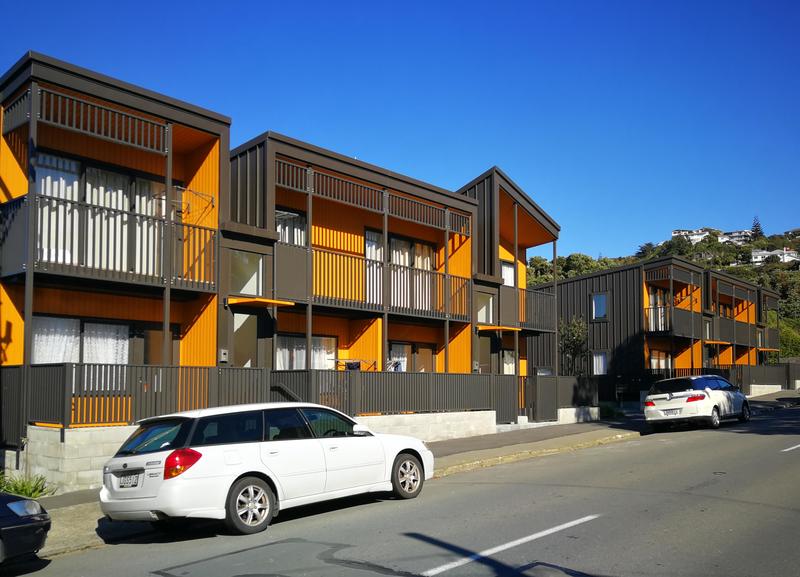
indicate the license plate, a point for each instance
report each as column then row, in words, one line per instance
column 128, row 481
column 671, row 412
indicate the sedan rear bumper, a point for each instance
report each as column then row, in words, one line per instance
column 27, row 536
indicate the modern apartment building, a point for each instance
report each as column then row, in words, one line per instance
column 134, row 242
column 666, row 314
column 332, row 263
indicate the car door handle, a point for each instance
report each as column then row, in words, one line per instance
column 274, row 452
column 333, row 447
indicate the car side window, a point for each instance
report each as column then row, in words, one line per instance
column 326, row 423
column 285, row 425
column 724, row 385
column 229, row 428
column 712, row 384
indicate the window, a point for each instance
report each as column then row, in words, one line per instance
column 291, row 227
column 63, row 340
column 285, row 425
column 509, row 363
column 707, row 329
column 245, row 340
column 407, row 357
column 599, row 363
column 158, row 435
column 106, row 344
column 507, row 269
column 400, row 357
column 599, row 311
column 291, row 353
column 247, row 273
column 423, row 360
column 327, row 423
column 660, row 360
column 229, row 428
column 485, row 303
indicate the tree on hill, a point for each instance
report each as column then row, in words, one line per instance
column 646, row 250
column 757, row 231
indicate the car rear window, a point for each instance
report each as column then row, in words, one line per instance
column 676, row 386
column 157, row 435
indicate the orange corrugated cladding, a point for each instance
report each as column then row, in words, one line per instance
column 12, row 337
column 688, row 298
column 13, row 177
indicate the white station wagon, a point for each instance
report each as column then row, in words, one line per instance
column 245, row 463
column 705, row 398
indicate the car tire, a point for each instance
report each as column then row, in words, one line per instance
column 713, row 420
column 250, row 506
column 745, row 416
column 654, row 428
column 407, row 476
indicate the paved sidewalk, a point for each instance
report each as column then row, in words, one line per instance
column 79, row 524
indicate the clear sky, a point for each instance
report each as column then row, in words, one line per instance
column 622, row 119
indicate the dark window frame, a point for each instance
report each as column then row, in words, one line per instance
column 603, row 319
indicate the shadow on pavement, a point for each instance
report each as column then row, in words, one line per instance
column 23, row 566
column 498, row 568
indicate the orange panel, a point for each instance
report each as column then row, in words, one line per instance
column 13, row 178
column 366, row 342
column 12, row 325
column 101, row 410
column 725, row 355
column 201, row 168
column 460, row 348
column 199, row 332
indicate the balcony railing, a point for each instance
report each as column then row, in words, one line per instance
column 353, row 281
column 295, row 177
column 74, row 237
column 657, row 319
column 536, row 310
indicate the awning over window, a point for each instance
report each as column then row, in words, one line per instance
column 768, row 350
column 498, row 328
column 257, row 302
column 710, row 342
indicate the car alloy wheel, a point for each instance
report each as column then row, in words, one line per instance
column 714, row 422
column 745, row 416
column 407, row 476
column 251, row 505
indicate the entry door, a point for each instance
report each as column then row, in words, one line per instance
column 350, row 461
column 485, row 353
column 373, row 248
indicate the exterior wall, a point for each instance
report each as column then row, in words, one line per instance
column 13, row 177
column 12, row 325
column 460, row 352
column 434, row 426
column 689, row 356
column 74, row 465
column 689, row 297
column 198, row 332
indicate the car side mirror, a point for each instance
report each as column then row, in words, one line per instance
column 360, row 430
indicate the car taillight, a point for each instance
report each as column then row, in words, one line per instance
column 178, row 461
column 695, row 398
column 649, row 404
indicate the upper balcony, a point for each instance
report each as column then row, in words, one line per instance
column 125, row 183
column 733, row 305
column 673, row 300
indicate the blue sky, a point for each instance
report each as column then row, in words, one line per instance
column 623, row 120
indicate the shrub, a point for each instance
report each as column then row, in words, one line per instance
column 31, row 487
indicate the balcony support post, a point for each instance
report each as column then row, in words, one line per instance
column 516, row 287
column 447, row 291
column 671, row 316
column 30, row 249
column 386, row 279
column 556, row 347
column 309, row 265
column 169, row 234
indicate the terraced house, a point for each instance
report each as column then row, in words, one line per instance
column 146, row 268
column 669, row 316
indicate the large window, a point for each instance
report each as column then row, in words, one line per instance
column 291, row 352
column 507, row 269
column 509, row 362
column 409, row 357
column 291, row 227
column 599, row 307
column 485, row 306
column 65, row 340
column 247, row 273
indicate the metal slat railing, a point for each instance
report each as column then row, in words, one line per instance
column 657, row 319
column 536, row 310
column 79, row 115
column 195, row 256
column 17, row 113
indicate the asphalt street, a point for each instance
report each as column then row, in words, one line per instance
column 689, row 502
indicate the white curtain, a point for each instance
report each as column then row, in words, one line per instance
column 105, row 344
column 57, row 181
column 291, row 353
column 509, row 364
column 399, row 355
column 401, row 277
column 56, row 340
column 291, row 227
column 149, row 202
column 373, row 251
column 424, row 260
column 507, row 270
column 323, row 353
column 107, row 233
column 599, row 363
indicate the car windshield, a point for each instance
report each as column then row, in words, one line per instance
column 154, row 436
column 676, row 386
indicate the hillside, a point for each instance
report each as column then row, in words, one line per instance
column 708, row 253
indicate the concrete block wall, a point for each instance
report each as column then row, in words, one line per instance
column 73, row 465
column 434, row 426
column 571, row 415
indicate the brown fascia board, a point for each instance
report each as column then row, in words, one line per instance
column 518, row 194
column 313, row 154
column 735, row 280
column 35, row 66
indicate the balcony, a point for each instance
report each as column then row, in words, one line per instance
column 657, row 319
column 677, row 321
column 527, row 309
column 355, row 282
column 76, row 238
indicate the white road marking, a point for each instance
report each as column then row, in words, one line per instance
column 790, row 449
column 509, row 545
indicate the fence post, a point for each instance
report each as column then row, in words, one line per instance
column 214, row 377
column 313, row 386
column 265, row 380
column 354, row 392
column 66, row 406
